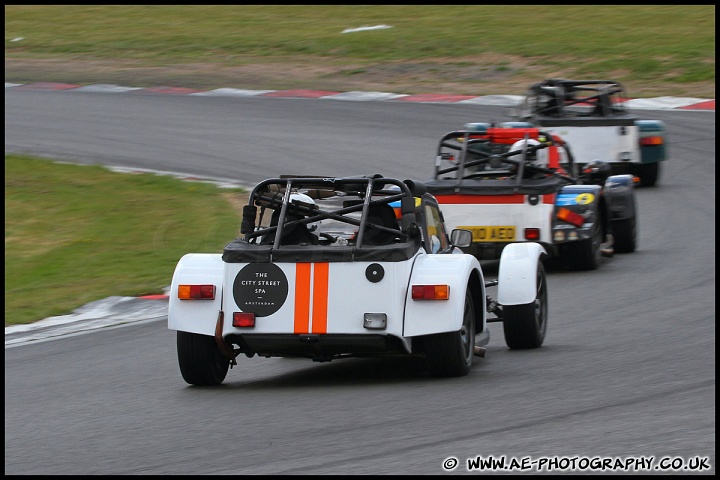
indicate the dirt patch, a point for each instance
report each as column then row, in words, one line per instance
column 236, row 200
column 489, row 75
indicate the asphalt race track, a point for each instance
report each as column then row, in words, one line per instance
column 627, row 372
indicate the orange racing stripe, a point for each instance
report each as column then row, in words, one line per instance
column 318, row 273
column 302, row 298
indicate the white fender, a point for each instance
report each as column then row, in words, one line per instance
column 423, row 317
column 517, row 274
column 196, row 316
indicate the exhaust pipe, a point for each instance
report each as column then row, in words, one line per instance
column 479, row 351
column 225, row 349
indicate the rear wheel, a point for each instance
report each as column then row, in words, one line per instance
column 452, row 353
column 649, row 173
column 625, row 235
column 553, row 261
column 525, row 325
column 201, row 362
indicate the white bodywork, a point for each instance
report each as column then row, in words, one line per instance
column 196, row 316
column 424, row 317
column 332, row 297
column 517, row 283
column 520, row 215
column 612, row 144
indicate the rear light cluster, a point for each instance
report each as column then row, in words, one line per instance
column 196, row 292
column 243, row 319
column 570, row 217
column 645, row 141
column 561, row 236
column 430, row 292
column 532, row 234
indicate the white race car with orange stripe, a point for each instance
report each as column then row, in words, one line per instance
column 330, row 268
column 518, row 184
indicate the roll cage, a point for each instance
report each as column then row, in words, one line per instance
column 492, row 148
column 584, row 98
column 350, row 218
column 361, row 195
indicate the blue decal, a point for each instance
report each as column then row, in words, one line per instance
column 566, row 199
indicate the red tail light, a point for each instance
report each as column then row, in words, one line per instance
column 430, row 292
column 651, row 141
column 196, row 292
column 243, row 319
column 532, row 234
column 571, row 217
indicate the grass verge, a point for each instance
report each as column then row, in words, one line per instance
column 464, row 49
column 76, row 234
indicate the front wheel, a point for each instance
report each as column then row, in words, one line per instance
column 525, row 325
column 200, row 359
column 452, row 353
column 585, row 254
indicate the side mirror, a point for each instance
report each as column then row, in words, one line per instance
column 461, row 238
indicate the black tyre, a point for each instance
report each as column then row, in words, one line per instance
column 200, row 359
column 452, row 353
column 649, row 173
column 625, row 235
column 553, row 262
column 585, row 254
column 525, row 325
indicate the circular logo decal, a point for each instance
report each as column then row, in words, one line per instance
column 261, row 288
column 585, row 198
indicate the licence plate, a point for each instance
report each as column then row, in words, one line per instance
column 499, row 233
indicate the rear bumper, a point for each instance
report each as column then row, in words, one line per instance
column 317, row 346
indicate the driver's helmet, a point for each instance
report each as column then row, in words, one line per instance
column 293, row 233
column 302, row 198
column 538, row 158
